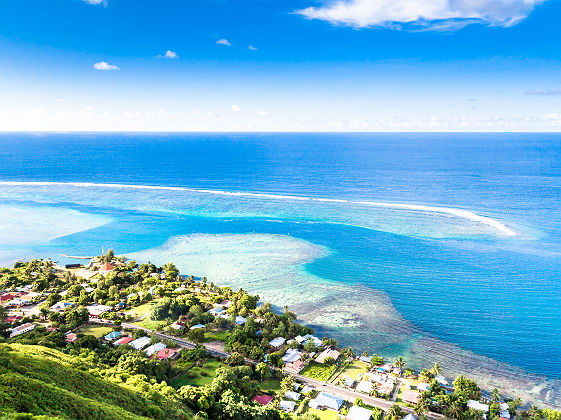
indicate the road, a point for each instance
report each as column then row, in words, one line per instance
column 347, row 394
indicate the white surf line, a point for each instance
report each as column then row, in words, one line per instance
column 465, row 214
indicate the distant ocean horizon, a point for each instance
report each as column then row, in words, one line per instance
column 436, row 246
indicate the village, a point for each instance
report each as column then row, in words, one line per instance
column 159, row 313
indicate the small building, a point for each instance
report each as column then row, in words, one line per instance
column 197, row 327
column 277, row 342
column 349, row 382
column 165, row 354
column 477, row 406
column 71, row 337
column 140, row 343
column 410, row 416
column 120, row 305
column 292, row 355
column 287, row 406
column 410, row 397
column 12, row 319
column 22, row 329
column 365, row 359
column 327, row 401
column 262, row 399
column 122, row 341
column 112, row 335
column 240, row 320
column 365, row 386
column 358, row 413
column 292, row 395
column 154, row 348
column 327, row 353
column 423, row 386
column 216, row 310
column 96, row 310
column 177, row 326
column 304, row 339
column 61, row 306
column 106, row 268
column 9, row 296
column 294, row 367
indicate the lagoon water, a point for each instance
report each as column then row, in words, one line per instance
column 440, row 247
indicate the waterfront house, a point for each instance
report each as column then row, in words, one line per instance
column 106, row 268
column 477, row 406
column 358, row 413
column 365, row 359
column 423, row 386
column 304, row 339
column 327, row 353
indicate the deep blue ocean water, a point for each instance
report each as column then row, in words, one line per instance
column 497, row 296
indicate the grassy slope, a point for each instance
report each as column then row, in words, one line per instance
column 44, row 381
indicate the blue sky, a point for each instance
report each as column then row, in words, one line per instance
column 291, row 65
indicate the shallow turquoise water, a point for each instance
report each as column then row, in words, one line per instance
column 458, row 279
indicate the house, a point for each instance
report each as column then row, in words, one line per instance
column 292, row 395
column 51, row 329
column 61, row 306
column 410, row 416
column 294, row 367
column 9, row 296
column 71, row 338
column 17, row 302
column 304, row 339
column 216, row 311
column 410, row 397
column 277, row 342
column 423, row 386
column 96, row 310
column 477, row 406
column 197, row 327
column 365, row 359
column 154, row 348
column 262, row 399
column 140, row 343
column 167, row 354
column 106, row 268
column 120, row 305
column 177, row 326
column 358, row 413
column 306, row 389
column 292, row 355
column 112, row 335
column 122, row 341
column 349, row 382
column 328, row 401
column 365, row 386
column 441, row 380
column 12, row 319
column 22, row 329
column 240, row 320
column 287, row 406
column 327, row 353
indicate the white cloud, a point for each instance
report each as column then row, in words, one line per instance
column 96, row 2
column 104, row 65
column 170, row 54
column 544, row 92
column 431, row 14
column 236, row 108
column 223, row 41
column 252, row 48
column 263, row 113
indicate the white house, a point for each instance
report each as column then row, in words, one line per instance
column 154, row 348
column 277, row 342
column 140, row 343
column 96, row 310
column 328, row 401
column 240, row 320
column 292, row 355
column 61, row 306
column 292, row 395
column 358, row 413
column 365, row 386
column 287, row 406
column 477, row 406
column 22, row 329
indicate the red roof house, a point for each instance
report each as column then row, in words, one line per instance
column 122, row 341
column 167, row 354
column 71, row 338
column 12, row 319
column 106, row 267
column 262, row 399
column 9, row 296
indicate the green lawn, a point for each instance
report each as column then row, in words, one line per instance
column 97, row 331
column 142, row 310
column 324, row 414
column 269, row 386
column 355, row 368
column 198, row 376
column 216, row 336
column 318, row 371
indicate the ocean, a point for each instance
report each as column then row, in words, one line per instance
column 438, row 247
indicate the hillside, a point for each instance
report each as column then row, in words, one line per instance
column 44, row 381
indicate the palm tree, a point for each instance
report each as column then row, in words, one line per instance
column 535, row 412
column 513, row 406
column 349, row 353
column 495, row 396
column 400, row 363
column 423, row 405
column 425, row 375
column 455, row 410
column 395, row 412
column 436, row 369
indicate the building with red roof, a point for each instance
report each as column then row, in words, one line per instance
column 71, row 338
column 262, row 399
column 122, row 341
column 167, row 354
column 106, row 268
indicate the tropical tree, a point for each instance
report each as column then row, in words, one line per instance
column 349, row 353
column 455, row 410
column 400, row 363
column 513, row 406
column 436, row 369
column 423, row 404
column 395, row 412
column 495, row 396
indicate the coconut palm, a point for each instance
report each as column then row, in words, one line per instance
column 399, row 362
column 495, row 396
column 395, row 412
column 423, row 405
column 436, row 369
column 455, row 410
column 513, row 406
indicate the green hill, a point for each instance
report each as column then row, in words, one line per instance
column 44, row 381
